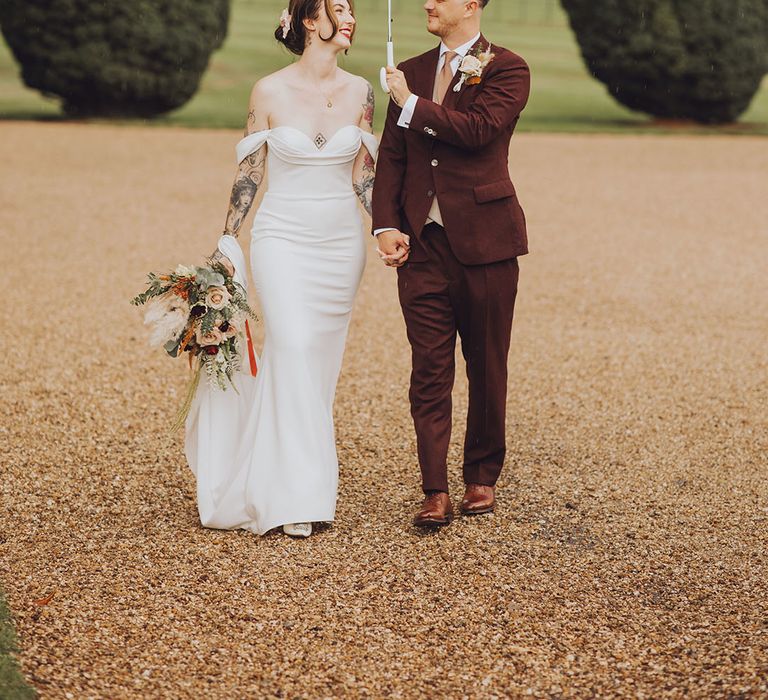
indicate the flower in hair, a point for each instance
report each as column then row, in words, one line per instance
column 285, row 22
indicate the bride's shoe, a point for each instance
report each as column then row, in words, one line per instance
column 298, row 529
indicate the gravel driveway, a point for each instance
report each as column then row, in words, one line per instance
column 628, row 553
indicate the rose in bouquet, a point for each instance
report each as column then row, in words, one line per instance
column 201, row 311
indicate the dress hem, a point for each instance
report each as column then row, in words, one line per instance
column 251, row 526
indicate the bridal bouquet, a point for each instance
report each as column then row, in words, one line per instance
column 201, row 311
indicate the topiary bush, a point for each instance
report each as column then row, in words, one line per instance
column 114, row 57
column 701, row 60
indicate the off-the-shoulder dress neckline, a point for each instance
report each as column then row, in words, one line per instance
column 248, row 143
column 310, row 139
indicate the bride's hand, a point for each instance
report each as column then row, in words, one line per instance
column 393, row 247
column 219, row 257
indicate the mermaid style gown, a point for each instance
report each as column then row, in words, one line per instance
column 266, row 456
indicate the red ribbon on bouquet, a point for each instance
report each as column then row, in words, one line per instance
column 251, row 353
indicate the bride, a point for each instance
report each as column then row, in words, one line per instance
column 265, row 456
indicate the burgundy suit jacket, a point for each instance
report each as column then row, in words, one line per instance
column 458, row 150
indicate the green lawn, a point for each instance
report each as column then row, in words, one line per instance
column 12, row 685
column 564, row 96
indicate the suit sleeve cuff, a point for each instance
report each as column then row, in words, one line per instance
column 407, row 112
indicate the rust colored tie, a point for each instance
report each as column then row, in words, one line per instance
column 445, row 78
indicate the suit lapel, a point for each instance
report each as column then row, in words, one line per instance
column 424, row 84
column 452, row 98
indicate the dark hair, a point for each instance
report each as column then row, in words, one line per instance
column 484, row 3
column 299, row 10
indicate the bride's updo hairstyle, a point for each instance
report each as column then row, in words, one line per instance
column 298, row 10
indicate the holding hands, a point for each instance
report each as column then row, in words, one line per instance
column 394, row 247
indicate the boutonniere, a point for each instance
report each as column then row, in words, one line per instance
column 473, row 65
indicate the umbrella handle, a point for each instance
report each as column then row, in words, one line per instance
column 390, row 62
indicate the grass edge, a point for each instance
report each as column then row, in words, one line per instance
column 13, row 685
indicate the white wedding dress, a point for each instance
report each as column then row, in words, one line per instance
column 266, row 456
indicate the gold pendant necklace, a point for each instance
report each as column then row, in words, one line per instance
column 328, row 98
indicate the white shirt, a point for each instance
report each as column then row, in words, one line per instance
column 410, row 104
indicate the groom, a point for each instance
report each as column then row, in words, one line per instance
column 446, row 215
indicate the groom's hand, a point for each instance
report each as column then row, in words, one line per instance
column 394, row 247
column 398, row 86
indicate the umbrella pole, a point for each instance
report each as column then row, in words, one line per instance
column 390, row 50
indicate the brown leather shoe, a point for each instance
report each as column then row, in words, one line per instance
column 478, row 499
column 435, row 511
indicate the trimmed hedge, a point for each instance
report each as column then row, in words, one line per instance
column 132, row 58
column 700, row 60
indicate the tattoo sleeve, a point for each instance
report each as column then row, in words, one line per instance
column 369, row 107
column 250, row 124
column 363, row 184
column 247, row 182
column 365, row 173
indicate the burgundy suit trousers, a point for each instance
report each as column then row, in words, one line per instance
column 440, row 297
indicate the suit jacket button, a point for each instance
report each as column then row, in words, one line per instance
column 427, row 130
column 431, row 193
column 435, row 163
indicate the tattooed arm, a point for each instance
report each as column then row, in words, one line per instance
column 364, row 172
column 250, row 173
column 249, row 177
